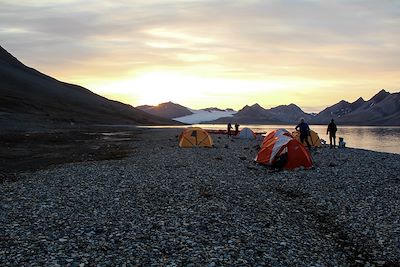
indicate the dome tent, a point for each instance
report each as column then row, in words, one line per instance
column 313, row 138
column 281, row 150
column 195, row 137
column 247, row 133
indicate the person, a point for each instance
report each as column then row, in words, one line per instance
column 236, row 128
column 229, row 129
column 304, row 132
column 332, row 129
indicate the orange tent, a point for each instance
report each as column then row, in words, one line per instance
column 277, row 132
column 280, row 148
column 195, row 137
column 313, row 138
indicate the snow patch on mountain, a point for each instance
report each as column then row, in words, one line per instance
column 200, row 116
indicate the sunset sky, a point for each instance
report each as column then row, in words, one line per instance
column 211, row 53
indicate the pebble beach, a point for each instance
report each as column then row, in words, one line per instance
column 166, row 206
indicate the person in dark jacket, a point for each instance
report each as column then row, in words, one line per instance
column 304, row 133
column 236, row 128
column 332, row 129
column 229, row 132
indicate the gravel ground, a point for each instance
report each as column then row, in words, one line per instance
column 210, row 207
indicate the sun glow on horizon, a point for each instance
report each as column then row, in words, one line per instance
column 153, row 88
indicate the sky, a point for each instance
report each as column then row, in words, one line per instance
column 211, row 53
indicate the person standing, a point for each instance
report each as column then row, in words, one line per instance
column 304, row 132
column 236, row 128
column 229, row 129
column 332, row 129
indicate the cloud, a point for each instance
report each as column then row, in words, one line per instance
column 333, row 42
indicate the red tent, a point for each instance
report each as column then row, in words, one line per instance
column 280, row 143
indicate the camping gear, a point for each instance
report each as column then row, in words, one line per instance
column 313, row 138
column 224, row 132
column 280, row 148
column 342, row 143
column 247, row 133
column 195, row 137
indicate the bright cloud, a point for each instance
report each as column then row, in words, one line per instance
column 232, row 52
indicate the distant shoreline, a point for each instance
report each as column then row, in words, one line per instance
column 37, row 149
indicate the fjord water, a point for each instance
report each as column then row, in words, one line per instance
column 377, row 138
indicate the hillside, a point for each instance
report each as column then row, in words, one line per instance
column 381, row 109
column 28, row 97
column 166, row 110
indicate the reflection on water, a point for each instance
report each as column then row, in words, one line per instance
column 383, row 139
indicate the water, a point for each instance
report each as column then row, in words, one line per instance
column 382, row 139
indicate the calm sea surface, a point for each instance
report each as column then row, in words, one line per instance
column 383, row 139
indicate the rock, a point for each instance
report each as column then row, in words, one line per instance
column 332, row 164
column 252, row 168
column 196, row 207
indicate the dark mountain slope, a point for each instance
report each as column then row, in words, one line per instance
column 26, row 93
column 381, row 109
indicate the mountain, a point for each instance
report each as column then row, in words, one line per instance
column 381, row 109
column 255, row 114
column 166, row 110
column 290, row 113
column 28, row 97
column 185, row 115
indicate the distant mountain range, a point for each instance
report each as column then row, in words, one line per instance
column 185, row 115
column 28, row 97
column 381, row 109
column 256, row 114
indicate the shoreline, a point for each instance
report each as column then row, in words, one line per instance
column 266, row 128
column 161, row 204
column 47, row 146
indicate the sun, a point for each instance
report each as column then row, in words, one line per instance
column 196, row 91
column 158, row 87
column 153, row 88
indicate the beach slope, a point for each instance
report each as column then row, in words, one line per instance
column 164, row 205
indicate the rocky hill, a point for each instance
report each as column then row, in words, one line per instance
column 28, row 97
column 166, row 110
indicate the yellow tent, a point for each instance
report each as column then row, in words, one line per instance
column 313, row 139
column 195, row 137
